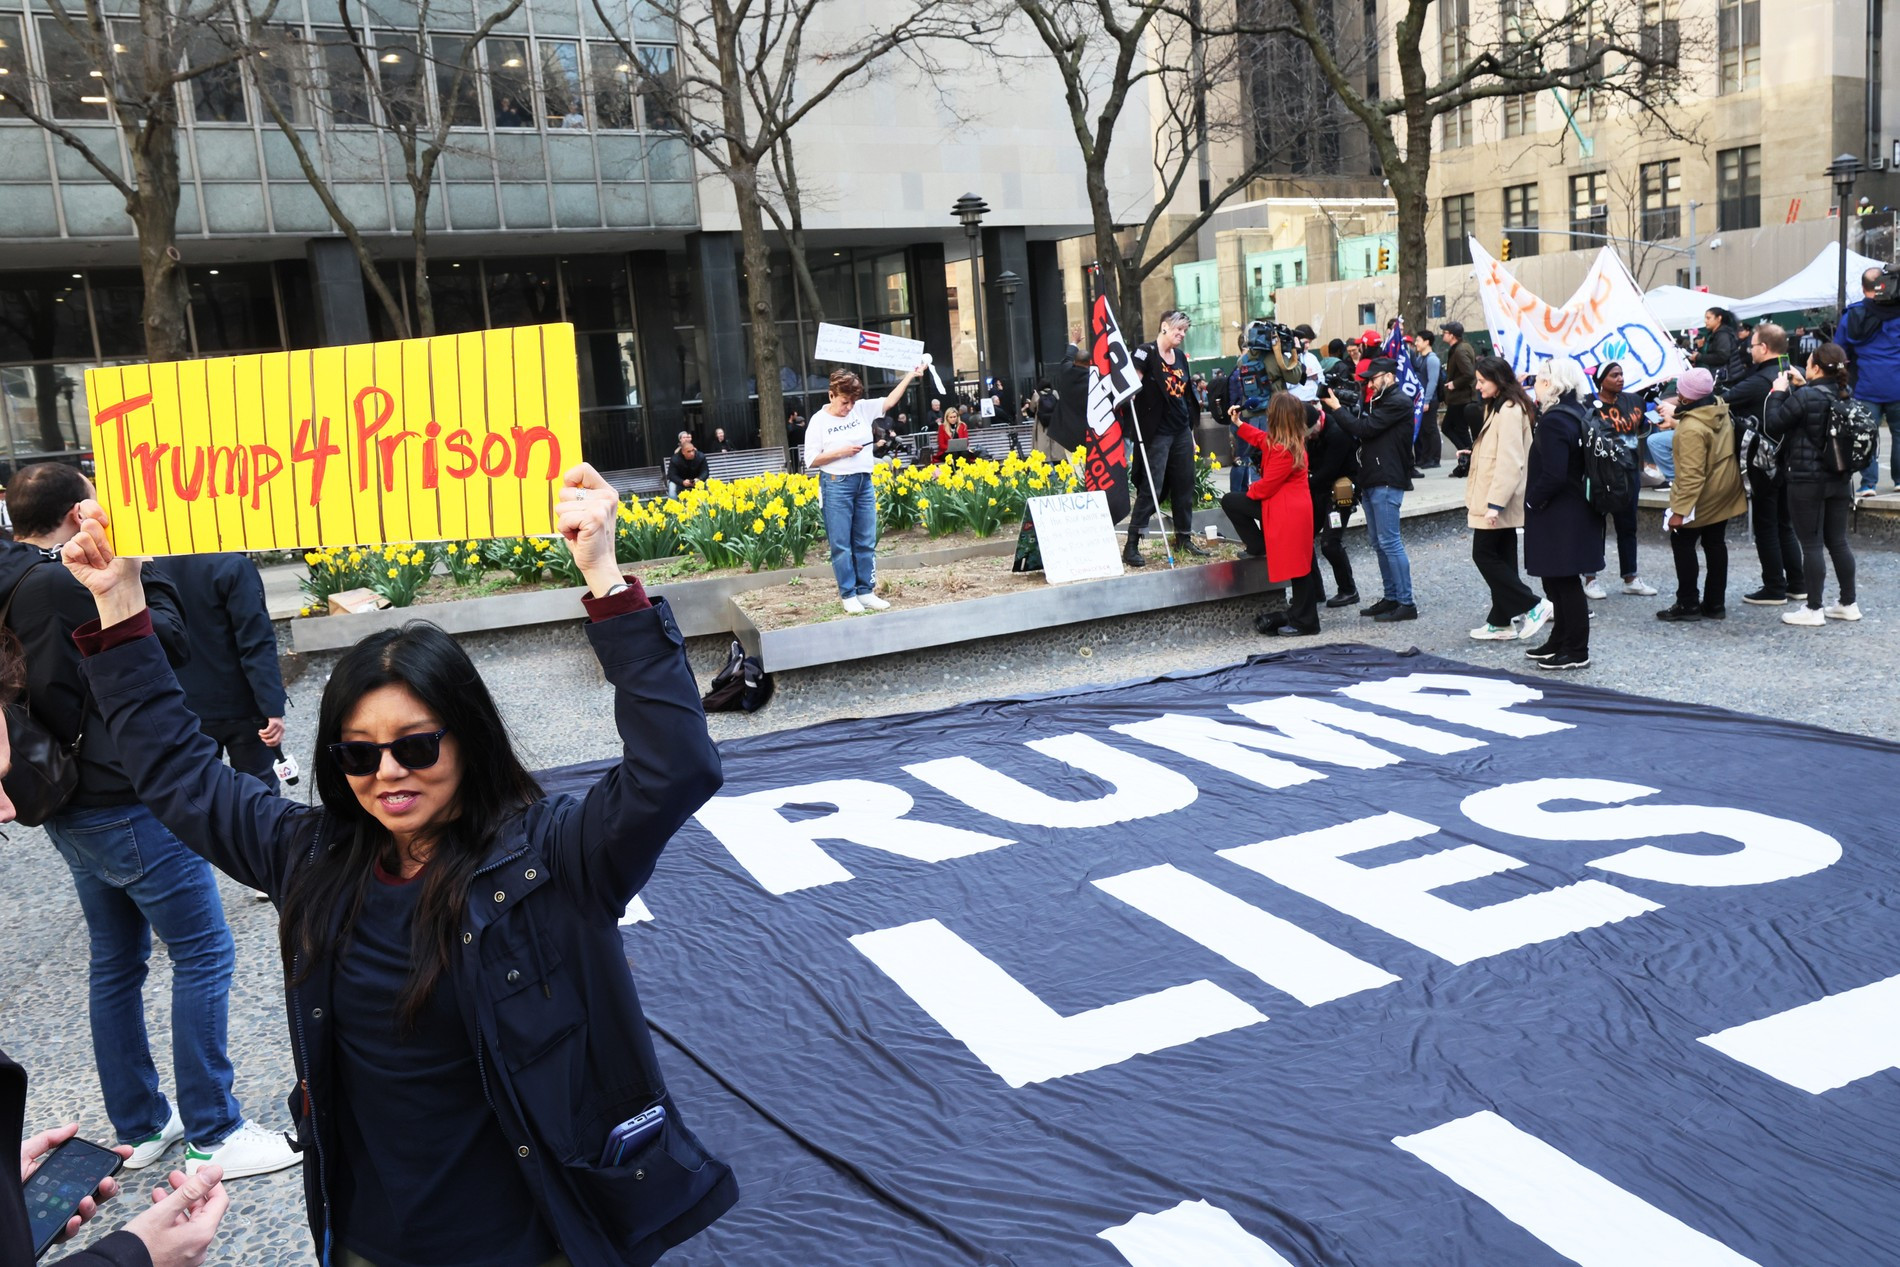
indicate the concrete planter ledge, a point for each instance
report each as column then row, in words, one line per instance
column 700, row 606
column 911, row 629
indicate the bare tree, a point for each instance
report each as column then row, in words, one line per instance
column 738, row 95
column 1624, row 52
column 394, row 95
column 135, row 68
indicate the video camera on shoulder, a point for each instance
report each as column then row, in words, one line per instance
column 1261, row 337
column 1887, row 288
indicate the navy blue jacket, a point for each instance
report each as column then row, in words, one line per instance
column 542, row 977
column 228, row 626
column 1562, row 535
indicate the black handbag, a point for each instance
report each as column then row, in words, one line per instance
column 742, row 685
column 45, row 772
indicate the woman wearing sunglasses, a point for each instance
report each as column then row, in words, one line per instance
column 465, row 1028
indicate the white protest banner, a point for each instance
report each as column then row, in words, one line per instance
column 1606, row 320
column 1076, row 537
column 866, row 347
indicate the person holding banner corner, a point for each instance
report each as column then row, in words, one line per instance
column 463, row 1019
column 838, row 447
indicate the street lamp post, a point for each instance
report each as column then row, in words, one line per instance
column 1008, row 283
column 971, row 209
column 1843, row 170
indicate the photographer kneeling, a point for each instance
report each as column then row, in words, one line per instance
column 1274, row 517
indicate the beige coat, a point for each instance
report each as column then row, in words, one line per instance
column 1498, row 458
column 1708, row 477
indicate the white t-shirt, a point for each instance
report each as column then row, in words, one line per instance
column 826, row 431
column 1309, row 390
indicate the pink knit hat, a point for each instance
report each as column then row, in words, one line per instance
column 1696, row 384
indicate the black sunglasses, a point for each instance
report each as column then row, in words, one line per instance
column 412, row 752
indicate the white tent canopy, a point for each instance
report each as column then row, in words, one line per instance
column 1812, row 287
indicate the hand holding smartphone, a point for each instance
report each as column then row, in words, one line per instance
column 63, row 1180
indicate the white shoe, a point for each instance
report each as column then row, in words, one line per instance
column 1637, row 585
column 1804, row 615
column 1842, row 611
column 1532, row 622
column 249, row 1150
column 152, row 1147
column 1496, row 633
column 873, row 603
column 854, row 606
column 1593, row 588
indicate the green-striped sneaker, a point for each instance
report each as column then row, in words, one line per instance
column 152, row 1147
column 249, row 1150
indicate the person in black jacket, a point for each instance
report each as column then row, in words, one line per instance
column 1563, row 536
column 1383, row 428
column 1717, row 344
column 1775, row 544
column 231, row 681
column 686, row 467
column 1623, row 413
column 1332, row 456
column 464, row 1022
column 1165, row 408
column 1820, row 500
column 133, row 876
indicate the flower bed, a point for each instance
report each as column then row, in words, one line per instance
column 758, row 524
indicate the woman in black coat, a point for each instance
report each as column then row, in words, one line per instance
column 1820, row 501
column 1563, row 537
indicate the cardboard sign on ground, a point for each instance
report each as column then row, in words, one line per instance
column 446, row 438
column 1076, row 537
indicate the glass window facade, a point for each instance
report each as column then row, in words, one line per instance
column 1461, row 221
column 1738, row 187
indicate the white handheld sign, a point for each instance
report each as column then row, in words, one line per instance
column 866, row 347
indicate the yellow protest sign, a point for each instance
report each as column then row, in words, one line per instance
column 462, row 435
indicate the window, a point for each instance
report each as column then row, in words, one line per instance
column 1368, row 315
column 283, row 74
column 612, row 85
column 1457, row 127
column 399, row 71
column 510, row 83
column 1738, row 188
column 1520, row 219
column 461, row 107
column 1299, row 272
column 217, row 96
column 1279, row 276
column 1662, row 214
column 1454, row 35
column 1520, row 114
column 1738, row 39
column 1661, row 34
column 1589, row 211
column 74, row 86
column 1461, row 219
column 13, row 72
column 660, row 106
column 346, row 83
column 560, row 64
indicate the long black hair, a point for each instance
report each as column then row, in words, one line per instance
column 1498, row 372
column 494, row 787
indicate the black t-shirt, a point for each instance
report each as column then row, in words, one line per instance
column 427, row 1178
column 1166, row 386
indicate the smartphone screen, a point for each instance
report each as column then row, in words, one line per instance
column 71, row 1173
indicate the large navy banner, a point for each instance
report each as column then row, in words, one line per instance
column 1334, row 957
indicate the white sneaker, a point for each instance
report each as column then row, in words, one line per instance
column 1637, row 585
column 152, row 1147
column 1593, row 588
column 249, row 1150
column 1842, row 611
column 1532, row 622
column 1804, row 615
column 873, row 603
column 1496, row 633
column 854, row 606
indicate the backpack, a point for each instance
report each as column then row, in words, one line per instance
column 45, row 772
column 1609, row 465
column 1851, row 437
column 742, row 685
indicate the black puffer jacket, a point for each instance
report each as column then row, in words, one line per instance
column 1383, row 429
column 1802, row 416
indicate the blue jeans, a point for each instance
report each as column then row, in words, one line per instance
column 1662, row 451
column 850, row 505
column 1382, row 519
column 135, row 877
column 1870, row 474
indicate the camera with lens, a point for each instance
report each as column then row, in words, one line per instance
column 1887, row 287
column 1264, row 336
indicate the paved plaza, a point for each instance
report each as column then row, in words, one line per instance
column 551, row 692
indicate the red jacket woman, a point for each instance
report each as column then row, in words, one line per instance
column 1275, row 515
column 951, row 428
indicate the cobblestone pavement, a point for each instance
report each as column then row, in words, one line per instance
column 550, row 690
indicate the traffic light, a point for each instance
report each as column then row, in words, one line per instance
column 1505, row 254
column 1385, row 259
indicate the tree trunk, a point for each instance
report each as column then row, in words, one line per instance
column 419, row 235
column 154, row 213
column 1109, row 273
column 758, row 294
column 1414, row 210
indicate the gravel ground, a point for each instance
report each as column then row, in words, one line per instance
column 547, row 685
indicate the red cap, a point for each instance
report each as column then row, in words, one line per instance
column 1371, row 336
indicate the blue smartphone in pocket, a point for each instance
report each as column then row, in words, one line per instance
column 631, row 1135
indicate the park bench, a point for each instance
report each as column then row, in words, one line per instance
column 745, row 463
